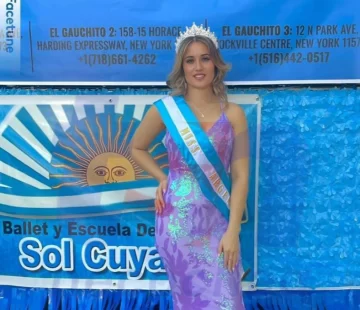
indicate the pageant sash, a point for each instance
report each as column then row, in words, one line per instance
column 197, row 151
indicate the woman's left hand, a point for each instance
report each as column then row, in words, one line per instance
column 230, row 246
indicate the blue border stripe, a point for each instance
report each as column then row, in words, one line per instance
column 203, row 140
column 79, row 191
column 15, row 185
column 76, row 210
column 202, row 179
column 70, row 113
column 27, row 120
column 89, row 111
column 128, row 114
column 11, row 135
column 19, row 165
column 4, row 110
column 109, row 109
column 53, row 121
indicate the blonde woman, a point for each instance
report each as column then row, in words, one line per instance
column 200, row 203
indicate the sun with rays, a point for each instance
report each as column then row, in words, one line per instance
column 97, row 151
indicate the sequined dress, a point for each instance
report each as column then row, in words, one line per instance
column 189, row 230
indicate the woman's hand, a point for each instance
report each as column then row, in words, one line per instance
column 230, row 246
column 159, row 200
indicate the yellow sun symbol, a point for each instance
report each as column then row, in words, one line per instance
column 85, row 157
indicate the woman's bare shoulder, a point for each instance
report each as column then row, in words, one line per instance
column 236, row 116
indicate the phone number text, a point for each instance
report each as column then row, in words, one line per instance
column 285, row 58
column 118, row 59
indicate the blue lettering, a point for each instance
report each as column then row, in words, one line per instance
column 10, row 28
column 113, row 264
column 155, row 263
column 98, row 256
column 94, row 255
column 69, row 258
column 52, row 257
column 30, row 258
column 137, row 261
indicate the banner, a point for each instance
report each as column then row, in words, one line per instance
column 132, row 42
column 76, row 211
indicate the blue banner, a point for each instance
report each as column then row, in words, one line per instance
column 75, row 210
column 132, row 42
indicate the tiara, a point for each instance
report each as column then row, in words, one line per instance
column 195, row 31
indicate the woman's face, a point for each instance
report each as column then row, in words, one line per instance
column 198, row 66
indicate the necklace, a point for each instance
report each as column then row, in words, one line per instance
column 201, row 114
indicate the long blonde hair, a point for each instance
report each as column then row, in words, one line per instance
column 176, row 80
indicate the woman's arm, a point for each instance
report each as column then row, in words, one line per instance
column 239, row 167
column 229, row 244
column 149, row 128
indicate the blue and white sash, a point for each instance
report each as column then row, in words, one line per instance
column 197, row 150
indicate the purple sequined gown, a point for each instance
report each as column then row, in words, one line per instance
column 188, row 233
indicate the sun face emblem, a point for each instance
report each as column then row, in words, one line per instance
column 110, row 168
column 99, row 153
column 83, row 142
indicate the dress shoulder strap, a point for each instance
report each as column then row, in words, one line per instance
column 222, row 105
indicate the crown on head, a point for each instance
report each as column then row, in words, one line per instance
column 195, row 31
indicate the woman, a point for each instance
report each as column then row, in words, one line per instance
column 199, row 205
